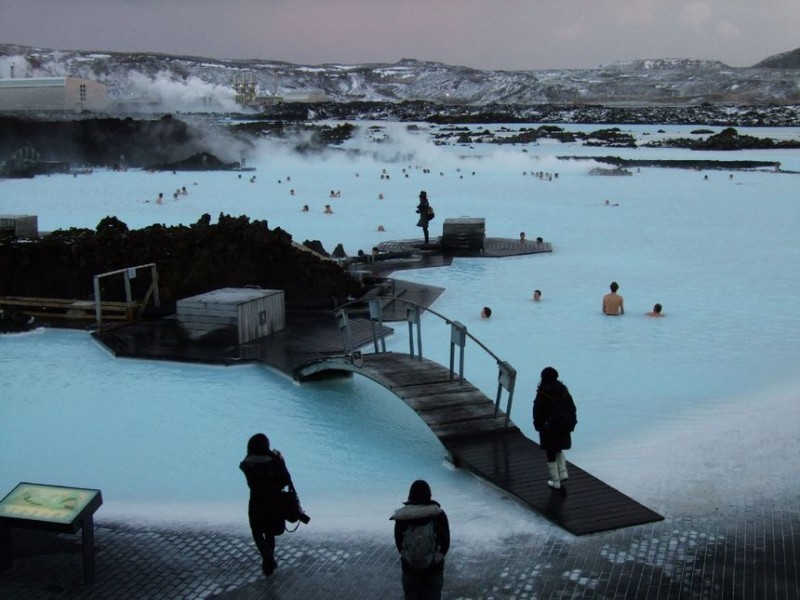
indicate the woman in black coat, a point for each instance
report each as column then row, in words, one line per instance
column 554, row 417
column 266, row 475
column 424, row 215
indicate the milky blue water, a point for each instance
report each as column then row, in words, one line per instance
column 666, row 406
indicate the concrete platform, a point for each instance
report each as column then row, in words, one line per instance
column 738, row 552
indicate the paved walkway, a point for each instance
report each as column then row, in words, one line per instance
column 747, row 552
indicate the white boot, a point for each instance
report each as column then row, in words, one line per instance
column 562, row 466
column 554, row 481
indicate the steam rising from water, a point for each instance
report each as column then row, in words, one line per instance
column 686, row 413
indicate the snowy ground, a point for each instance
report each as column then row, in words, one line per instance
column 687, row 413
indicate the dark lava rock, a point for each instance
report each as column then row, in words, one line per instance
column 202, row 161
column 235, row 252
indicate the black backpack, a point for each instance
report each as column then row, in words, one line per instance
column 420, row 545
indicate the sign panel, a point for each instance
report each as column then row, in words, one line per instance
column 48, row 503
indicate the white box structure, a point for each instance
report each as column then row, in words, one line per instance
column 254, row 313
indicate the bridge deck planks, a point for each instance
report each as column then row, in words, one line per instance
column 464, row 420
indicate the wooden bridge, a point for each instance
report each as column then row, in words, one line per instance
column 478, row 435
column 474, row 429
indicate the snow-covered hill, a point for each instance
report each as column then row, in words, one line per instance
column 185, row 83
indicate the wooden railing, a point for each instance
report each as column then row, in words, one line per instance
column 63, row 308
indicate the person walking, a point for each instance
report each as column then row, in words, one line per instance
column 266, row 474
column 554, row 417
column 424, row 211
column 612, row 302
column 422, row 537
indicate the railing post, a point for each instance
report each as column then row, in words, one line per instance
column 458, row 337
column 506, row 378
column 154, row 284
column 98, row 311
column 344, row 329
column 376, row 314
column 127, row 276
column 412, row 316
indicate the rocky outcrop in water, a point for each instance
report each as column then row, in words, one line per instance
column 235, row 252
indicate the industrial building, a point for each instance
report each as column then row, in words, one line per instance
column 52, row 93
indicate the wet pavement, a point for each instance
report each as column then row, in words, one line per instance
column 738, row 552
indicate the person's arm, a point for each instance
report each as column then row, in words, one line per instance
column 398, row 536
column 282, row 472
column 537, row 420
column 443, row 532
column 621, row 306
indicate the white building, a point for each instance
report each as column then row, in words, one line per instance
column 51, row 93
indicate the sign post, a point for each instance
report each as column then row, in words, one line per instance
column 50, row 508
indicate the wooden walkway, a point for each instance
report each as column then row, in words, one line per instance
column 464, row 420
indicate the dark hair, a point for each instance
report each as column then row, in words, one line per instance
column 614, row 286
column 258, row 444
column 419, row 493
column 487, row 311
column 423, row 194
column 549, row 374
column 657, row 308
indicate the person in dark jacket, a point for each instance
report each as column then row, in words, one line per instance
column 422, row 583
column 266, row 475
column 423, row 209
column 554, row 417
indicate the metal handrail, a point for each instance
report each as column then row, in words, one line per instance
column 507, row 374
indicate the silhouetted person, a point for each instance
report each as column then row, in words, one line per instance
column 423, row 210
column 554, row 417
column 266, row 475
column 422, row 536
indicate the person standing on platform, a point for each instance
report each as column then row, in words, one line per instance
column 423, row 210
column 422, row 536
column 554, row 417
column 266, row 475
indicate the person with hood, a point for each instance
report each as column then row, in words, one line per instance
column 424, row 212
column 554, row 417
column 266, row 475
column 422, row 536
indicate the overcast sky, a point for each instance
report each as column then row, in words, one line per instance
column 485, row 34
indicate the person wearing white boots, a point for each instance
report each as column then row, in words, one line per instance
column 554, row 417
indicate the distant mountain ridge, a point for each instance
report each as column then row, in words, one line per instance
column 785, row 60
column 169, row 82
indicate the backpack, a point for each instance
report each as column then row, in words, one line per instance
column 419, row 545
column 431, row 214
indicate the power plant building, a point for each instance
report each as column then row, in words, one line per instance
column 52, row 93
